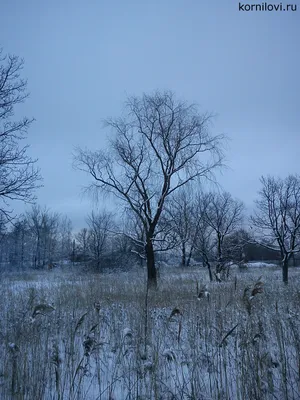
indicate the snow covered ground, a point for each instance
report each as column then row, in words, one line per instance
column 68, row 336
column 261, row 264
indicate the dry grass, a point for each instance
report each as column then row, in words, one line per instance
column 105, row 340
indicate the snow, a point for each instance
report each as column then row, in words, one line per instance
column 261, row 264
column 211, row 349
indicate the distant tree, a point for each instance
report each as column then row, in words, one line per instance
column 123, row 255
column 43, row 225
column 81, row 239
column 159, row 146
column 18, row 175
column 3, row 239
column 277, row 217
column 184, row 221
column 65, row 237
column 204, row 234
column 216, row 217
column 18, row 243
column 224, row 215
column 235, row 246
column 100, row 226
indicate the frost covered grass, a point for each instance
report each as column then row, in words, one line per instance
column 70, row 336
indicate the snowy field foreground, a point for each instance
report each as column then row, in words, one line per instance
column 66, row 335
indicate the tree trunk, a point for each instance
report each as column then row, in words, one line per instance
column 22, row 248
column 219, row 266
column 207, row 263
column 285, row 269
column 151, row 269
column 209, row 271
column 190, row 256
column 183, row 255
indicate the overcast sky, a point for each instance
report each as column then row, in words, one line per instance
column 82, row 58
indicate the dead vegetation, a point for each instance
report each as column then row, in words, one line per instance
column 99, row 338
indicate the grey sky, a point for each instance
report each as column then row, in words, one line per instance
column 83, row 57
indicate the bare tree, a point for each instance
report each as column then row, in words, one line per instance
column 65, row 237
column 159, row 146
column 18, row 243
column 100, row 226
column 236, row 246
column 18, row 175
column 278, row 217
column 203, row 241
column 216, row 217
column 3, row 239
column 44, row 229
column 224, row 215
column 180, row 211
column 82, row 242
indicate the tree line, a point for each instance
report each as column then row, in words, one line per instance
column 203, row 228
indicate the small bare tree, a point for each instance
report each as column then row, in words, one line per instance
column 235, row 246
column 224, row 215
column 278, row 217
column 100, row 226
column 216, row 217
column 43, row 225
column 18, row 175
column 65, row 238
column 184, row 221
column 204, row 239
column 81, row 239
column 159, row 146
column 18, row 244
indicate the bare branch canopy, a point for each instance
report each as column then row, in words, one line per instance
column 158, row 146
column 277, row 217
column 18, row 175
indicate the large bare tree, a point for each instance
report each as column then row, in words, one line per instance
column 277, row 217
column 158, row 146
column 18, row 175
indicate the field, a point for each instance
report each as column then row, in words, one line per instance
column 104, row 337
